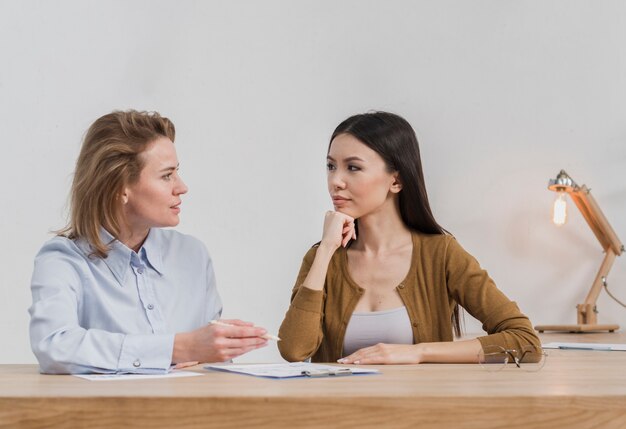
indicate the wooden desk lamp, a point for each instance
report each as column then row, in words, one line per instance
column 587, row 312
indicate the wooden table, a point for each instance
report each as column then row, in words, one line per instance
column 576, row 389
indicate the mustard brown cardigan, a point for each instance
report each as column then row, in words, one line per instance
column 442, row 273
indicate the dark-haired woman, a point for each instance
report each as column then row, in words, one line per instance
column 384, row 284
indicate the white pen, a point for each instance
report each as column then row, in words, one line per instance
column 266, row 336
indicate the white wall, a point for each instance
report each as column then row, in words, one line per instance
column 502, row 94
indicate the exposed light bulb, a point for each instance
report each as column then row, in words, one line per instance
column 559, row 212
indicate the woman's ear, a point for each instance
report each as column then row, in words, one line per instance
column 396, row 186
column 124, row 196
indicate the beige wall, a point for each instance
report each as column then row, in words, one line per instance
column 502, row 94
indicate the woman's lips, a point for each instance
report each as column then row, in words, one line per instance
column 340, row 201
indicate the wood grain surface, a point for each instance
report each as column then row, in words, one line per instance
column 575, row 389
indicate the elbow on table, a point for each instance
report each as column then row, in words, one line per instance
column 47, row 365
column 52, row 361
column 56, row 369
column 533, row 338
column 526, row 337
column 527, row 334
column 293, row 354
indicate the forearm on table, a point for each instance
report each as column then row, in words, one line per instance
column 80, row 350
column 512, row 338
column 449, row 352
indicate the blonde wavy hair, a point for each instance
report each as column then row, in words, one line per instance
column 108, row 161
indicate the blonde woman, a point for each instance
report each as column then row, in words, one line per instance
column 115, row 293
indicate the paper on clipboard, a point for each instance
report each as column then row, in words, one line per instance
column 586, row 346
column 108, row 377
column 291, row 370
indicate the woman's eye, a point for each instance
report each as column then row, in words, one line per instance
column 353, row 168
column 167, row 177
column 330, row 166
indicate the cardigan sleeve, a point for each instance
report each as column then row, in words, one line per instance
column 471, row 286
column 301, row 331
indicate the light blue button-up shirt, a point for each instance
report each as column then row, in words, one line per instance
column 119, row 314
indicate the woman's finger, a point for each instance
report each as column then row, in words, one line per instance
column 236, row 322
column 236, row 352
column 350, row 358
column 237, row 343
column 185, row 364
column 366, row 353
column 347, row 233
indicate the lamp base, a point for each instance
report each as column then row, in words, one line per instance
column 583, row 327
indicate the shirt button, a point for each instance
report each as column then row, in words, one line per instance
column 150, row 307
column 401, row 285
column 140, row 270
column 137, row 363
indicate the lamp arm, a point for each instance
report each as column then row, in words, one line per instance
column 608, row 240
column 596, row 288
column 595, row 218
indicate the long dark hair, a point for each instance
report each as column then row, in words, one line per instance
column 393, row 138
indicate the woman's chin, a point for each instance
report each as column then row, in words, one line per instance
column 346, row 211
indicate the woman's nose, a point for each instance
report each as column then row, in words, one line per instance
column 181, row 187
column 336, row 181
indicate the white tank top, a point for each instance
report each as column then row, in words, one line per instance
column 370, row 328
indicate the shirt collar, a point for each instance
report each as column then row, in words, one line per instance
column 120, row 256
column 152, row 250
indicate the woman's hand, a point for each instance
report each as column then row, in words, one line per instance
column 384, row 354
column 338, row 230
column 442, row 352
column 218, row 343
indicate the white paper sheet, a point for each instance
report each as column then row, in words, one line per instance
column 586, row 346
column 288, row 370
column 103, row 377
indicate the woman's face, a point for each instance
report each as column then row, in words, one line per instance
column 154, row 200
column 358, row 181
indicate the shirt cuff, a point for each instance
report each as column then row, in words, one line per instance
column 146, row 354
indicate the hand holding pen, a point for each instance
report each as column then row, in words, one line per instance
column 218, row 341
column 227, row 323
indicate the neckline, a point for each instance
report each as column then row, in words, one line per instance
column 355, row 285
column 380, row 312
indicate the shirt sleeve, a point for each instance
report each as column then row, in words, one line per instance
column 474, row 290
column 301, row 331
column 58, row 341
column 214, row 302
